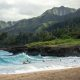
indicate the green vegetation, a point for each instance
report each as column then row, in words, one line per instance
column 39, row 23
column 56, row 42
column 47, row 29
column 4, row 24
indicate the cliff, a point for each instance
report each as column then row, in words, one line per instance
column 59, row 51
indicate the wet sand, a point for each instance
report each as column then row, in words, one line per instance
column 67, row 74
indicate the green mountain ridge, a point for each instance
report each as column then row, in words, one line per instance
column 4, row 24
column 39, row 23
column 60, row 11
column 42, row 28
column 70, row 19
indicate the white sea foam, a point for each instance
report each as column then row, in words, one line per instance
column 14, row 64
column 34, row 67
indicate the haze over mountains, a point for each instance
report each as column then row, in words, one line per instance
column 60, row 11
column 4, row 24
column 50, row 17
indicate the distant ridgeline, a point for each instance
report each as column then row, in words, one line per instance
column 58, row 22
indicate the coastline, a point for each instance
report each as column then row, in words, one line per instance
column 37, row 67
column 65, row 74
column 58, row 51
column 25, row 71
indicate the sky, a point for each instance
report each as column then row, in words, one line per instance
column 13, row 10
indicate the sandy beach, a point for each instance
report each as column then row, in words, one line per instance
column 39, row 67
column 65, row 74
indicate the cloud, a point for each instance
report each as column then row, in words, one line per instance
column 19, row 9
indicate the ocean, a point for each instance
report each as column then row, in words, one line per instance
column 23, row 63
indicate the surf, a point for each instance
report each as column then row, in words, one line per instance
column 23, row 63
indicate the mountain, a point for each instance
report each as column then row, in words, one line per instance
column 4, row 24
column 49, row 17
column 70, row 27
column 45, row 27
column 60, row 11
column 72, row 23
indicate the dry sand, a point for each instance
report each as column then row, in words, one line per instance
column 68, row 74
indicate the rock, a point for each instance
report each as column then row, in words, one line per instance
column 59, row 51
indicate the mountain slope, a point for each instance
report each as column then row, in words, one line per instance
column 60, row 11
column 4, row 24
column 70, row 21
column 31, row 25
column 65, row 20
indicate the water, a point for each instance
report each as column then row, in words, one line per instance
column 23, row 63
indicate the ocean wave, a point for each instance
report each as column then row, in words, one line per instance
column 17, row 63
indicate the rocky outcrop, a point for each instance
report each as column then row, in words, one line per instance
column 60, row 11
column 59, row 51
column 15, row 49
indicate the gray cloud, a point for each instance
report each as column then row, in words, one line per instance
column 19, row 9
column 31, row 9
column 5, row 5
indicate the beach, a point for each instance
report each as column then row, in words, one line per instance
column 65, row 74
column 26, row 67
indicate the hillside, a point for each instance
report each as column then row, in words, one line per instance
column 42, row 28
column 70, row 23
column 55, row 43
column 31, row 25
column 60, row 11
column 4, row 24
column 70, row 26
column 57, row 47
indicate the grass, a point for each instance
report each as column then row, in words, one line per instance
column 56, row 42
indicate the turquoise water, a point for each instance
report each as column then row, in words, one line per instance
column 22, row 63
column 7, row 58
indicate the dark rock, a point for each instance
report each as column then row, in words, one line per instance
column 55, row 51
column 15, row 50
column 60, row 51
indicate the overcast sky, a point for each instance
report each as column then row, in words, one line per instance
column 20, row 9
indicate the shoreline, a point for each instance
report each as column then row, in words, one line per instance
column 36, row 71
column 64, row 74
column 32, row 68
column 58, row 51
column 43, row 70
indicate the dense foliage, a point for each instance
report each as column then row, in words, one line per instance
column 43, row 28
column 63, row 30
